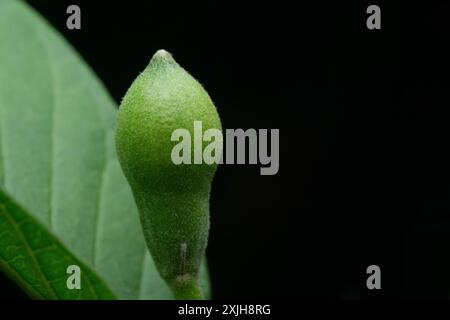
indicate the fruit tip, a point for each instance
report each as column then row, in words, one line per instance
column 161, row 53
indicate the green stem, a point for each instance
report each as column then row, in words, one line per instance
column 186, row 288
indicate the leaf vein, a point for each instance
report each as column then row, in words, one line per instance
column 141, row 278
column 53, row 82
column 30, row 252
column 99, row 208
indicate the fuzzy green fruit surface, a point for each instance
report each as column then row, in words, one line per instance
column 173, row 200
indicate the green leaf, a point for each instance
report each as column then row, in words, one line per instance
column 38, row 262
column 58, row 163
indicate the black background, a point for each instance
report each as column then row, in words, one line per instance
column 364, row 169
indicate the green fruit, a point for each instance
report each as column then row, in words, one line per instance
column 173, row 200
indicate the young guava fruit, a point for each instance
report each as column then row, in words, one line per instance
column 172, row 200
